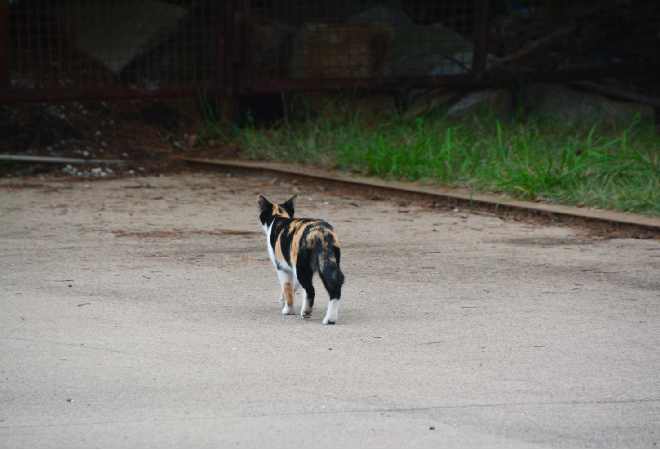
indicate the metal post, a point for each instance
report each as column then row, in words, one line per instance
column 229, row 61
column 247, row 43
column 480, row 39
column 4, row 51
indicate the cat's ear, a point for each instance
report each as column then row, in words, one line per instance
column 290, row 204
column 263, row 203
column 292, row 200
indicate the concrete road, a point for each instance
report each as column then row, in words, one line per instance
column 143, row 313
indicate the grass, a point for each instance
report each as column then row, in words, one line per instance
column 598, row 166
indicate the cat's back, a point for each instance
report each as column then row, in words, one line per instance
column 304, row 232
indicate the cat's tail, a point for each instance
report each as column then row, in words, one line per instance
column 329, row 271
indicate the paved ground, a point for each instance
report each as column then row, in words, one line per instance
column 141, row 313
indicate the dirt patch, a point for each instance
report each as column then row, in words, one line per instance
column 150, row 135
column 550, row 241
column 181, row 233
column 22, row 185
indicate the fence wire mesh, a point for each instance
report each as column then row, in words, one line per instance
column 361, row 39
column 99, row 47
column 547, row 35
column 66, row 49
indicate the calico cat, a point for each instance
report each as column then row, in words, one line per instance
column 299, row 248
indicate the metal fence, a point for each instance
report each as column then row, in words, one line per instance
column 80, row 49
column 56, row 50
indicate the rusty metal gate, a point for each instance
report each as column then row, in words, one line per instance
column 58, row 50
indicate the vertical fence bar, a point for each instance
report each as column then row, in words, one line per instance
column 246, row 70
column 51, row 42
column 68, row 67
column 228, row 88
column 480, row 39
column 4, row 50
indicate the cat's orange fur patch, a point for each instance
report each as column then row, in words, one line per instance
column 288, row 294
column 295, row 241
column 278, row 211
column 299, row 226
column 278, row 251
column 335, row 239
column 313, row 236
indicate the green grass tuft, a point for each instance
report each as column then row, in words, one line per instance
column 600, row 167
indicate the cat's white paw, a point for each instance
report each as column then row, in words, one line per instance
column 333, row 312
column 306, row 309
column 287, row 311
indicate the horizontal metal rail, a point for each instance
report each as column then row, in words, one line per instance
column 59, row 160
column 109, row 94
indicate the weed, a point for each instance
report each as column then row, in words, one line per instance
column 529, row 159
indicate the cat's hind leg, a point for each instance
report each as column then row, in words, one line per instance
column 287, row 281
column 332, row 280
column 304, row 276
column 307, row 304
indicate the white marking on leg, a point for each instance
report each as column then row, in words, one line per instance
column 286, row 277
column 333, row 312
column 306, row 309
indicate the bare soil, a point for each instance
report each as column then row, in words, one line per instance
column 150, row 135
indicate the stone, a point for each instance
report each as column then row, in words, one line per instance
column 497, row 101
column 121, row 32
column 430, row 101
column 349, row 50
column 431, row 50
column 565, row 104
column 398, row 19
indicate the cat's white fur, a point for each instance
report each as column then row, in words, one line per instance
column 288, row 275
column 333, row 312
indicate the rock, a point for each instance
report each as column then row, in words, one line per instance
column 499, row 101
column 120, row 33
column 564, row 104
column 398, row 19
column 459, row 104
column 353, row 50
column 421, row 50
column 349, row 50
column 431, row 50
column 431, row 100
